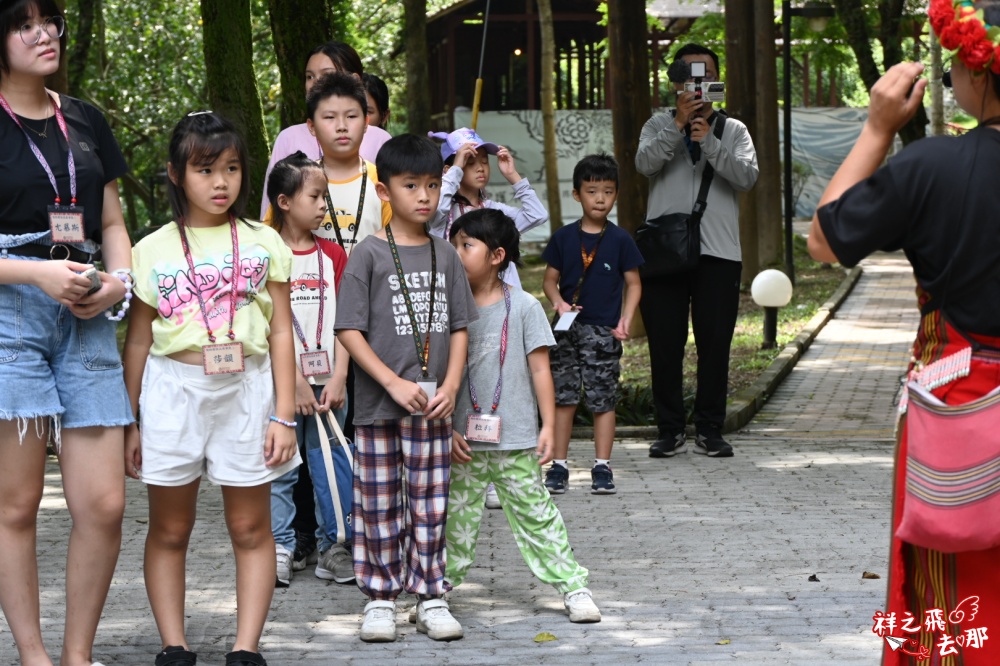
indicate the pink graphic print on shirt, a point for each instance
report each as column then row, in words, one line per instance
column 178, row 298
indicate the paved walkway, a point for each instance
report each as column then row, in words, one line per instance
column 694, row 561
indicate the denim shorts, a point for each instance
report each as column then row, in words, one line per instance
column 53, row 364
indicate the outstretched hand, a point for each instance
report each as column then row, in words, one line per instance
column 895, row 98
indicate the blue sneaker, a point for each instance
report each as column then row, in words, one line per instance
column 603, row 481
column 557, row 479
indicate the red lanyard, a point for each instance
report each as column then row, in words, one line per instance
column 61, row 121
column 503, row 355
column 322, row 303
column 197, row 287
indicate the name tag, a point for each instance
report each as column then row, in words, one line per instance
column 224, row 359
column 483, row 428
column 566, row 320
column 428, row 385
column 66, row 224
column 315, row 363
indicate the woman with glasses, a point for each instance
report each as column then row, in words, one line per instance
column 60, row 371
column 937, row 200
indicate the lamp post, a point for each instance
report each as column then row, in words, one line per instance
column 817, row 13
column 771, row 290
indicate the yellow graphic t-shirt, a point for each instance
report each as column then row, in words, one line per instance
column 164, row 281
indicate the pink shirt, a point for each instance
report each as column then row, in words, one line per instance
column 297, row 137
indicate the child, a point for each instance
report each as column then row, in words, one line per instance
column 337, row 105
column 378, row 100
column 210, row 366
column 326, row 58
column 588, row 263
column 493, row 441
column 295, row 189
column 405, row 306
column 467, row 170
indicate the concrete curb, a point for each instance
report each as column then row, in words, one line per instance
column 745, row 404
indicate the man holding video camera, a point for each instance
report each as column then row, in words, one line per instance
column 675, row 150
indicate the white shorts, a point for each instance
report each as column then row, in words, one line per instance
column 193, row 424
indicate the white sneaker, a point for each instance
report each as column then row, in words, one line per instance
column 379, row 623
column 283, row 558
column 492, row 499
column 435, row 620
column 581, row 607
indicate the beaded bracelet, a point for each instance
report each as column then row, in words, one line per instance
column 290, row 424
column 125, row 276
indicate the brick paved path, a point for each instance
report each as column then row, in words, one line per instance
column 690, row 553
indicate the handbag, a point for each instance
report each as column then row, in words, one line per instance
column 671, row 243
column 333, row 491
column 952, row 494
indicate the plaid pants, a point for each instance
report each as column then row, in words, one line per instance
column 538, row 527
column 385, row 450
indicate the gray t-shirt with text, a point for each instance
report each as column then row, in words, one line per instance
column 527, row 330
column 370, row 300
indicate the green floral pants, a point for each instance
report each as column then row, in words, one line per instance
column 538, row 527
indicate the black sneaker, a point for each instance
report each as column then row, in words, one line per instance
column 245, row 658
column 603, row 481
column 305, row 551
column 557, row 479
column 711, row 444
column 669, row 446
column 176, row 655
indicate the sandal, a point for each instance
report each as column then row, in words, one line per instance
column 245, row 658
column 176, row 655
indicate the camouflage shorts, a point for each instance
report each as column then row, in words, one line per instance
column 587, row 358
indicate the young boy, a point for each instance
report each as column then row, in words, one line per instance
column 405, row 304
column 589, row 262
column 467, row 171
column 337, row 105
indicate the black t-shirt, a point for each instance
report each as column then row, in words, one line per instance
column 25, row 189
column 601, row 294
column 939, row 201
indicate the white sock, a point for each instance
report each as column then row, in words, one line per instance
column 600, row 461
column 562, row 463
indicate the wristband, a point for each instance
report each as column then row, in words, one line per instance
column 290, row 424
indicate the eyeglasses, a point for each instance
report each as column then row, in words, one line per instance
column 31, row 33
column 946, row 79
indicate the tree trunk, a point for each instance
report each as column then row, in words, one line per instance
column 852, row 15
column 414, row 38
column 937, row 88
column 230, row 80
column 297, row 26
column 549, row 114
column 631, row 106
column 741, row 103
column 76, row 65
column 765, row 137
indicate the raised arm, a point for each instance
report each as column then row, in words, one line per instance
column 738, row 165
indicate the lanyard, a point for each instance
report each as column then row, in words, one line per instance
column 423, row 348
column 197, row 287
column 361, row 205
column 451, row 217
column 322, row 303
column 61, row 121
column 588, row 259
column 503, row 355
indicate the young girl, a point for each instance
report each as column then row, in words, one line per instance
column 210, row 366
column 466, row 173
column 296, row 190
column 507, row 378
column 59, row 363
column 378, row 100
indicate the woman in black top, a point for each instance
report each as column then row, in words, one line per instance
column 59, row 363
column 938, row 201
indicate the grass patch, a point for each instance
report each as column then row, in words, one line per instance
column 815, row 283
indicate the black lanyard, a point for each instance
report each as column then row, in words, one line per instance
column 361, row 206
column 586, row 259
column 423, row 347
column 322, row 304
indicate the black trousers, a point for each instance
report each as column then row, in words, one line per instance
column 711, row 293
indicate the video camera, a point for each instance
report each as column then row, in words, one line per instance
column 680, row 71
